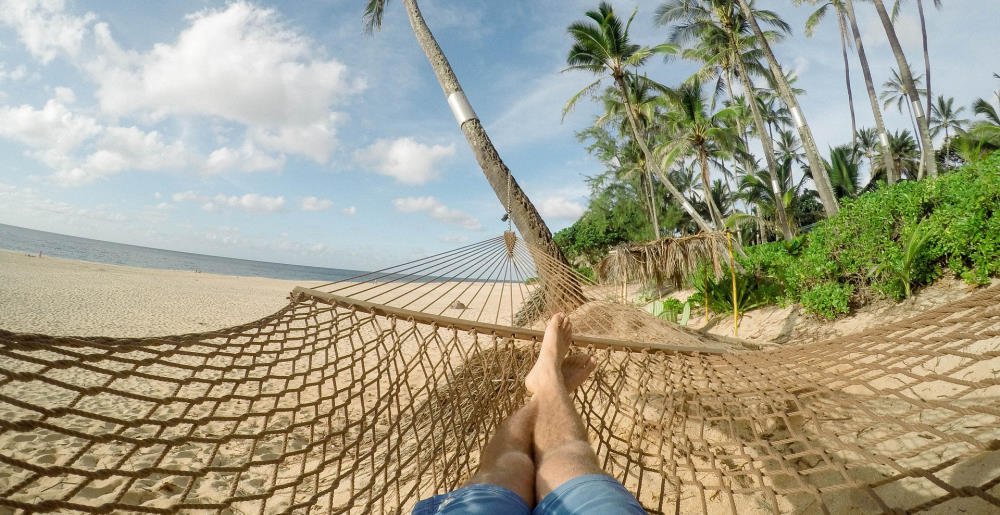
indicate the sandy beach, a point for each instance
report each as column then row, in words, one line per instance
column 67, row 297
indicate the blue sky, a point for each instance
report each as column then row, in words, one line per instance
column 278, row 131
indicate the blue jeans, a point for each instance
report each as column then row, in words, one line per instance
column 587, row 494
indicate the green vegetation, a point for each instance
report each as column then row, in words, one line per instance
column 885, row 242
column 889, row 210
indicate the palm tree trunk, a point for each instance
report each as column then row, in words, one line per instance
column 651, row 162
column 739, row 121
column 652, row 204
column 706, row 186
column 847, row 78
column 522, row 212
column 911, row 91
column 927, row 57
column 820, row 179
column 765, row 142
column 891, row 174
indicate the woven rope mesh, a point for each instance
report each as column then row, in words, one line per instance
column 344, row 405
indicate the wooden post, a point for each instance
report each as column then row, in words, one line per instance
column 732, row 273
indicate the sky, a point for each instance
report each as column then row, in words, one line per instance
column 279, row 131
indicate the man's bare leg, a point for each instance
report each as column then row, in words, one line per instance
column 507, row 458
column 562, row 450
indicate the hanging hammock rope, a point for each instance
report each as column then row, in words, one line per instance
column 367, row 394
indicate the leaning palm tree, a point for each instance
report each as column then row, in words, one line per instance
column 521, row 211
column 695, row 132
column 945, row 117
column 928, row 162
column 883, row 135
column 601, row 46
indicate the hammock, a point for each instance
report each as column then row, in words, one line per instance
column 368, row 394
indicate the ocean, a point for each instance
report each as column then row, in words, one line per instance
column 31, row 241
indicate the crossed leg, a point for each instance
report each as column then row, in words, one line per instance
column 561, row 448
column 508, row 458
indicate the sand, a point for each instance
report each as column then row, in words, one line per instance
column 78, row 298
column 66, row 297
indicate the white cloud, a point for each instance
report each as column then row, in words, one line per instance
column 184, row 196
column 436, row 210
column 258, row 72
column 405, row 159
column 349, row 211
column 246, row 158
column 125, row 148
column 28, row 206
column 44, row 28
column 559, row 207
column 53, row 131
column 316, row 204
column 251, row 202
column 18, row 73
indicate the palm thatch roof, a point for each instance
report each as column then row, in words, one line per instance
column 665, row 259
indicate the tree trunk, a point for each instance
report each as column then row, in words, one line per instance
column 820, row 179
column 522, row 212
column 706, row 186
column 650, row 162
column 765, row 142
column 891, row 174
column 927, row 57
column 911, row 91
column 847, row 78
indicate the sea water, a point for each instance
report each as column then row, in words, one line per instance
column 32, row 242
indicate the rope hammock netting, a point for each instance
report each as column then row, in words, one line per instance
column 368, row 394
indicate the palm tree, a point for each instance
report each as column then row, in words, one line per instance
column 905, row 155
column 928, row 161
column 894, row 92
column 923, row 35
column 844, row 171
column 693, row 132
column 602, row 47
column 867, row 142
column 984, row 135
column 719, row 26
column 645, row 106
column 883, row 135
column 814, row 19
column 521, row 211
column 945, row 117
column 822, row 182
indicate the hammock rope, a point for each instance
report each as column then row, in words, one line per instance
column 368, row 394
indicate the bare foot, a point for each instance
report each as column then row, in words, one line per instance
column 546, row 374
column 576, row 369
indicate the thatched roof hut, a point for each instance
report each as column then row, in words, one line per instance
column 665, row 259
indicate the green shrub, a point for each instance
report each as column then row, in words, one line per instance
column 752, row 291
column 874, row 244
column 667, row 309
column 828, row 299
